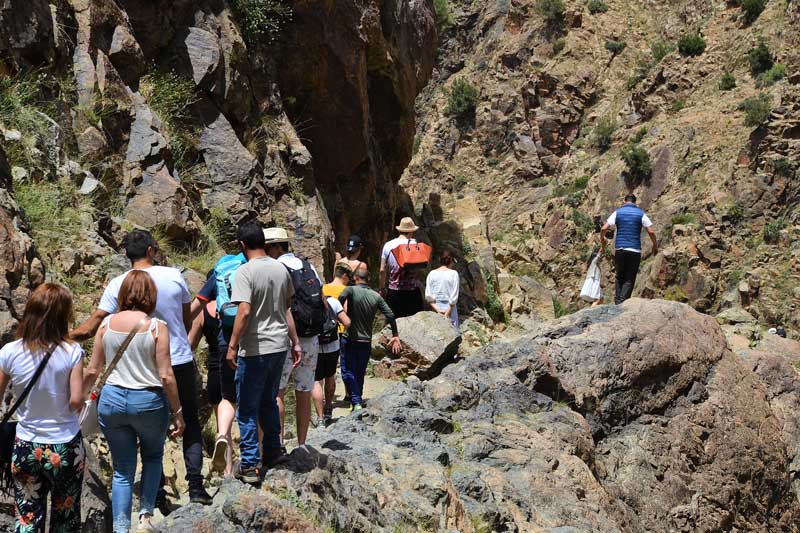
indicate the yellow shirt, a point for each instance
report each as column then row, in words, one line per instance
column 331, row 290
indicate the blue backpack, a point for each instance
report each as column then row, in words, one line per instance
column 224, row 271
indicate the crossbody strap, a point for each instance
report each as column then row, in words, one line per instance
column 117, row 356
column 29, row 386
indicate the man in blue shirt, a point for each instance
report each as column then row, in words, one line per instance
column 629, row 221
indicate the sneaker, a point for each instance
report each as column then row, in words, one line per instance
column 145, row 526
column 356, row 407
column 198, row 494
column 248, row 474
column 327, row 420
column 219, row 459
column 162, row 504
column 274, row 457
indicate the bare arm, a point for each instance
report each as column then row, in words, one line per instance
column 297, row 349
column 239, row 327
column 196, row 308
column 89, row 327
column 164, row 364
column 653, row 239
column 603, row 238
column 76, row 394
column 96, row 364
column 196, row 333
column 382, row 275
column 4, row 379
column 187, row 317
column 344, row 319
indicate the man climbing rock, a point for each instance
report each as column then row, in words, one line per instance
column 629, row 221
column 403, row 295
column 362, row 304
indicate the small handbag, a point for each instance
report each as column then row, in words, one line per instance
column 89, row 423
column 8, row 430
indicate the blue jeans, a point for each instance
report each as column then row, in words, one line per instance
column 342, row 362
column 257, row 380
column 356, row 357
column 126, row 415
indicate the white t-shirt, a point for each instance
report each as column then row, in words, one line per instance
column 332, row 346
column 45, row 415
column 172, row 295
column 396, row 282
column 442, row 286
column 612, row 222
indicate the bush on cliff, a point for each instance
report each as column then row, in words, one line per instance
column 462, row 99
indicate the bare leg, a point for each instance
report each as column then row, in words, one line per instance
column 225, row 414
column 282, row 409
column 330, row 391
column 318, row 394
column 303, row 415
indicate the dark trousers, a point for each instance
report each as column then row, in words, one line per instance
column 356, row 355
column 192, row 435
column 627, row 264
column 404, row 303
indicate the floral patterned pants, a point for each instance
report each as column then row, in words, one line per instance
column 40, row 468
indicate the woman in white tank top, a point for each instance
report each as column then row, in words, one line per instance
column 135, row 402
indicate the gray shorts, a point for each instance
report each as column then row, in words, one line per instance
column 303, row 374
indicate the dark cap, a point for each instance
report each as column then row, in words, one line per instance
column 354, row 243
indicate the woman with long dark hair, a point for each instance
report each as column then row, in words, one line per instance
column 134, row 405
column 48, row 452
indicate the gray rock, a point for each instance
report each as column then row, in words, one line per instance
column 735, row 315
column 202, row 50
column 89, row 185
column 428, row 343
column 126, row 54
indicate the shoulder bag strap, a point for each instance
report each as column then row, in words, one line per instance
column 121, row 350
column 29, row 386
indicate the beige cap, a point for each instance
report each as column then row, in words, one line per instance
column 275, row 235
column 407, row 225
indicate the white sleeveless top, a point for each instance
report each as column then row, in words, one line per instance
column 137, row 367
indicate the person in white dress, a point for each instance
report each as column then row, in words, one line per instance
column 441, row 288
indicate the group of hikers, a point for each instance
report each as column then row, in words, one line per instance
column 268, row 320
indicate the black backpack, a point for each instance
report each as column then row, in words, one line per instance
column 308, row 308
column 330, row 329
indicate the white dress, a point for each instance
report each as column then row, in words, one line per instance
column 592, row 291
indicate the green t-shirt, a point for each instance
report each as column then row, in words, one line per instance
column 362, row 305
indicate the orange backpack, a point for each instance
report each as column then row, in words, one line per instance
column 410, row 255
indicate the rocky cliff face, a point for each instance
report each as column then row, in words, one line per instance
column 561, row 95
column 632, row 418
column 188, row 117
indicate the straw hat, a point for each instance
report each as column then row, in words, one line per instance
column 275, row 235
column 407, row 225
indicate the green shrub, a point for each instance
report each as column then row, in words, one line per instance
column 597, row 6
column 772, row 231
column 727, row 82
column 615, row 47
column 782, row 167
column 639, row 166
column 443, row 19
column 262, row 20
column 574, row 191
column 493, row 305
column 53, row 210
column 684, row 219
column 691, row 45
column 22, row 108
column 752, row 9
column 661, row 49
column 760, row 58
column 676, row 294
column 735, row 213
column 640, row 135
column 560, row 309
column 170, row 96
column 551, row 11
column 462, row 99
column 770, row 77
column 640, row 72
column 584, row 225
column 677, row 105
column 756, row 110
column 558, row 45
column 603, row 133
column 583, row 181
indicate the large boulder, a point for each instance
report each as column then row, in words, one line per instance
column 616, row 418
column 428, row 342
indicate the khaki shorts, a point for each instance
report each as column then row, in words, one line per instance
column 303, row 374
